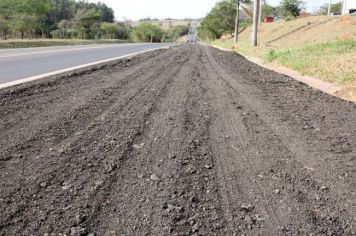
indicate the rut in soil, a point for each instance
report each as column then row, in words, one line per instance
column 182, row 141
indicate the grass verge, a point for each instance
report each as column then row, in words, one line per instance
column 323, row 47
column 4, row 44
column 332, row 61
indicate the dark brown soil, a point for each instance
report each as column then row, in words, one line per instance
column 185, row 141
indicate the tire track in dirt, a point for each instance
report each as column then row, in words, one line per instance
column 161, row 189
column 42, row 175
column 57, row 130
column 26, row 162
column 79, row 104
column 307, row 195
column 237, row 160
column 188, row 141
column 67, row 94
column 150, row 104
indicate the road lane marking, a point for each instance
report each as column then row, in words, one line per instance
column 60, row 50
column 37, row 77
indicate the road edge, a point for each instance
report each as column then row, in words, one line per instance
column 315, row 83
column 58, row 72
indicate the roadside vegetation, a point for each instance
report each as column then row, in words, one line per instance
column 306, row 45
column 332, row 61
column 320, row 46
column 147, row 32
column 28, row 23
column 214, row 25
column 222, row 17
column 63, row 19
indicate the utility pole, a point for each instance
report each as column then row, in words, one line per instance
column 260, row 12
column 237, row 22
column 343, row 8
column 255, row 22
column 329, row 9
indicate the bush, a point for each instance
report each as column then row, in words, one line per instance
column 271, row 55
column 175, row 32
column 146, row 32
column 291, row 7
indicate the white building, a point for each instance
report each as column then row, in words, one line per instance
column 348, row 7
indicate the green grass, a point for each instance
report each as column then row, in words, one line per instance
column 331, row 61
column 51, row 42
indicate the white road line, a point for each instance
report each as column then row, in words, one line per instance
column 21, row 81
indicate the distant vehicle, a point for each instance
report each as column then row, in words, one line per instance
column 277, row 18
column 335, row 13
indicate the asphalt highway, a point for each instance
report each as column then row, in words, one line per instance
column 17, row 64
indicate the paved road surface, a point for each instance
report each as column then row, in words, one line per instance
column 17, row 64
column 182, row 141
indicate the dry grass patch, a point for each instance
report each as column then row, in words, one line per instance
column 322, row 46
column 331, row 61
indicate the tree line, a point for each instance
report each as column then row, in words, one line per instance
column 71, row 19
column 54, row 19
column 146, row 32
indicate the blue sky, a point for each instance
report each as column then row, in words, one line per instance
column 136, row 9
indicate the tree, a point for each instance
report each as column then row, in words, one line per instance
column 237, row 21
column 29, row 18
column 107, row 13
column 61, row 10
column 219, row 20
column 123, row 31
column 147, row 32
column 223, row 18
column 335, row 8
column 25, row 24
column 175, row 32
column 268, row 10
column 205, row 32
column 63, row 27
column 291, row 7
column 30, row 7
column 4, row 27
column 109, row 29
column 85, row 19
column 23, row 16
column 6, row 12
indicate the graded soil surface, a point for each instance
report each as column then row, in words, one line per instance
column 183, row 141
